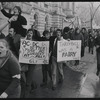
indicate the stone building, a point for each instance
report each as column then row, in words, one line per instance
column 44, row 14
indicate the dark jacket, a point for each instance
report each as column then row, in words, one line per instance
column 85, row 35
column 37, row 34
column 66, row 36
column 97, row 42
column 80, row 37
column 14, row 43
column 51, row 41
column 9, row 68
column 17, row 25
column 2, row 36
column 91, row 41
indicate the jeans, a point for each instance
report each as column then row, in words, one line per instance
column 27, row 80
column 16, row 93
column 29, row 76
column 56, row 65
column 46, row 69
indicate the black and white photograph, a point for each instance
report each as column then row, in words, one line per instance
column 50, row 49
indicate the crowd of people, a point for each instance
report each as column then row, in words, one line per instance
column 16, row 79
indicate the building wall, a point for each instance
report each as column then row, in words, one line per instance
column 55, row 11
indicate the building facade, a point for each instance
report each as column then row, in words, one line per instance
column 44, row 14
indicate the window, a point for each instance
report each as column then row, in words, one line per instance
column 46, row 22
column 36, row 19
column 45, row 5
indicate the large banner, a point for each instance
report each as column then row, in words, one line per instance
column 34, row 52
column 68, row 50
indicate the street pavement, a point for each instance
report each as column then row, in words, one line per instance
column 76, row 84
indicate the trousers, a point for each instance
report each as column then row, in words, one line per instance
column 46, row 70
column 56, row 66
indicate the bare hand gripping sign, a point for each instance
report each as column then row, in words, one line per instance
column 68, row 50
column 34, row 52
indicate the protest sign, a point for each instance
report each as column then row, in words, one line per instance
column 34, row 52
column 68, row 50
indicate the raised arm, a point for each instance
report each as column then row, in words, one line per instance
column 7, row 23
column 2, row 6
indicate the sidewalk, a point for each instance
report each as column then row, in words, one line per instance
column 89, row 88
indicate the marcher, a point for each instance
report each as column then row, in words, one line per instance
column 9, row 73
column 28, row 74
column 66, row 34
column 13, row 40
column 56, row 65
column 97, row 42
column 71, row 33
column 85, row 35
column 52, row 31
column 78, row 36
column 46, row 68
column 20, row 22
column 36, row 32
column 91, row 42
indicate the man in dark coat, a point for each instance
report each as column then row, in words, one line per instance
column 18, row 25
column 79, row 36
column 13, row 40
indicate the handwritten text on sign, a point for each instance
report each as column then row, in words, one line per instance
column 34, row 52
column 68, row 50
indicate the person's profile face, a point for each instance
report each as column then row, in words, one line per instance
column 58, row 34
column 3, row 49
column 11, row 32
column 16, row 11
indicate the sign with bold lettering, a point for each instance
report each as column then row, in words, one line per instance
column 68, row 50
column 34, row 52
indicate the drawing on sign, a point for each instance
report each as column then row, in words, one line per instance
column 34, row 52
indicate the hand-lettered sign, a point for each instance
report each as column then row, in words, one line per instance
column 68, row 50
column 34, row 52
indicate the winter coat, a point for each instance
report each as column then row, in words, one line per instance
column 8, row 69
column 17, row 25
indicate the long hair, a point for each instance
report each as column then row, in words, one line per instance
column 45, row 32
column 66, row 29
column 19, row 9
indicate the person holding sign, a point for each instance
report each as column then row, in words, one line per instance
column 9, row 73
column 56, row 65
column 28, row 75
column 46, row 68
